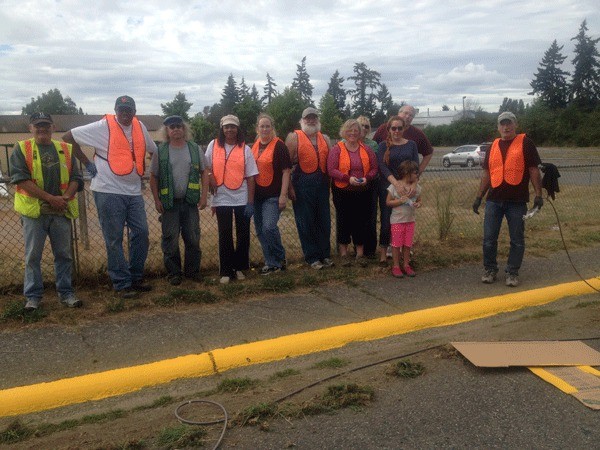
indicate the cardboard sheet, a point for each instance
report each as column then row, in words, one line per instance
column 581, row 382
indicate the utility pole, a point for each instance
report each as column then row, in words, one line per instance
column 464, row 113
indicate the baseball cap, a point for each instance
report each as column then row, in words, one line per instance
column 230, row 119
column 40, row 117
column 172, row 119
column 125, row 101
column 308, row 111
column 507, row 115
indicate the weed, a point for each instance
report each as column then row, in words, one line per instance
column 14, row 311
column 181, row 437
column 255, row 414
column 331, row 363
column 159, row 402
column 186, row 296
column 586, row 304
column 115, row 305
column 406, row 369
column 309, row 280
column 236, row 384
column 337, row 397
column 232, row 290
column 278, row 283
column 443, row 205
column 284, row 374
column 130, row 445
column 15, row 432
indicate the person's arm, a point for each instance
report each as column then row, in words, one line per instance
column 374, row 167
column 154, row 188
column 57, row 202
column 536, row 180
column 392, row 201
column 333, row 164
column 68, row 138
column 204, row 193
column 291, row 142
column 285, row 186
column 424, row 163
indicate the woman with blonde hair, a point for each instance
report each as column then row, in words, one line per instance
column 371, row 238
column 270, row 194
column 351, row 165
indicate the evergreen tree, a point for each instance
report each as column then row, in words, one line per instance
column 508, row 104
column 230, row 96
column 243, row 90
column 269, row 90
column 337, row 91
column 550, row 81
column 204, row 130
column 247, row 111
column 302, row 82
column 366, row 81
column 445, row 108
column 51, row 102
column 286, row 110
column 331, row 121
column 386, row 104
column 178, row 107
column 254, row 94
column 585, row 84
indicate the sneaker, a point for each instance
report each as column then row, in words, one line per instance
column 128, row 293
column 317, row 265
column 269, row 270
column 397, row 272
column 71, row 301
column 239, row 275
column 32, row 304
column 140, row 286
column 327, row 262
column 488, row 277
column 224, row 280
column 512, row 280
column 409, row 271
column 175, row 280
column 388, row 252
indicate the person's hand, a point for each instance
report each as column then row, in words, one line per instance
column 476, row 205
column 58, row 203
column 249, row 210
column 282, row 202
column 202, row 203
column 538, row 202
column 404, row 198
column 91, row 168
column 159, row 207
column 292, row 193
column 417, row 204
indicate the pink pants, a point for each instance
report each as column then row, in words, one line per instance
column 402, row 234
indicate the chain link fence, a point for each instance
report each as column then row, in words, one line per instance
column 446, row 212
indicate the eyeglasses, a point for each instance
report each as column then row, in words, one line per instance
column 366, row 126
column 396, row 128
column 175, row 126
column 44, row 125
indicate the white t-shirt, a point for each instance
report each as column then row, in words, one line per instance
column 96, row 135
column 405, row 212
column 224, row 195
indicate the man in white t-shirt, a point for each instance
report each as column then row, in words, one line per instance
column 120, row 142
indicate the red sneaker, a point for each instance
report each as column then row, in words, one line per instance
column 397, row 272
column 409, row 272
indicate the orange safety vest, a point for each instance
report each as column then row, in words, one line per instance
column 264, row 162
column 307, row 156
column 512, row 168
column 122, row 157
column 344, row 163
column 229, row 170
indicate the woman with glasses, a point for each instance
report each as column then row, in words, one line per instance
column 177, row 171
column 392, row 152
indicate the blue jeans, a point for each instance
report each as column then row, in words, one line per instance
column 115, row 212
column 494, row 213
column 181, row 218
column 266, row 216
column 312, row 214
column 35, row 231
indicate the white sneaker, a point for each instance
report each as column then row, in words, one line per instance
column 71, row 301
column 32, row 304
column 224, row 280
column 239, row 275
column 327, row 262
column 317, row 265
column 512, row 280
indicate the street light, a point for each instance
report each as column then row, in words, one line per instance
column 464, row 96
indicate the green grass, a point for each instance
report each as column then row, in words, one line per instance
column 586, row 304
column 14, row 311
column 331, row 363
column 236, row 385
column 186, row 296
column 181, row 436
column 406, row 369
column 284, row 374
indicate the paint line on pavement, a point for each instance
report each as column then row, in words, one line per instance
column 100, row 385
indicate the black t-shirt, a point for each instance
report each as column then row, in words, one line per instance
column 281, row 161
column 520, row 192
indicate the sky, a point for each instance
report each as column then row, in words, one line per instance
column 429, row 52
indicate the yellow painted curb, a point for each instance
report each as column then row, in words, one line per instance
column 43, row 396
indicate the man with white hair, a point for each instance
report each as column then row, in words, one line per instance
column 509, row 165
column 309, row 190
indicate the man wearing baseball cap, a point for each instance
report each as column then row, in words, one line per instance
column 120, row 142
column 47, row 179
column 510, row 164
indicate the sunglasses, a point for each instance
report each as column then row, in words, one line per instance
column 396, row 128
column 175, row 126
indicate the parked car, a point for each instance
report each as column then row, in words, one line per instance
column 466, row 155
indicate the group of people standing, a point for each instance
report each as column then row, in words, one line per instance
column 245, row 181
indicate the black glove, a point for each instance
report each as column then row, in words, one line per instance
column 538, row 202
column 476, row 205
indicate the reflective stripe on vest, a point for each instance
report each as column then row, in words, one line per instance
column 344, row 163
column 229, row 170
column 512, row 168
column 264, row 162
column 165, row 175
column 122, row 156
column 30, row 206
column 307, row 155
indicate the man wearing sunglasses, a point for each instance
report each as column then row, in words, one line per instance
column 47, row 179
column 120, row 142
column 179, row 183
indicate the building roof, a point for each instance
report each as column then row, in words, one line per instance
column 20, row 124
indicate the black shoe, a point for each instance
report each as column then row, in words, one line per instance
column 128, row 293
column 140, row 286
column 174, row 280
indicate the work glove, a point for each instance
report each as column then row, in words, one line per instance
column 538, row 202
column 476, row 205
column 91, row 168
column 249, row 210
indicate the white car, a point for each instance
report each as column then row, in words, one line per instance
column 466, row 155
